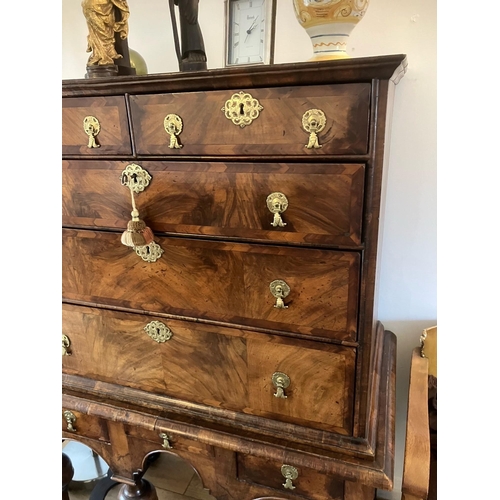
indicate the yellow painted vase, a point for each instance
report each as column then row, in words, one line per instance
column 329, row 24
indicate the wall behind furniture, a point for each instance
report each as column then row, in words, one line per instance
column 407, row 301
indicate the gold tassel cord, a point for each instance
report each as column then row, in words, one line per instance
column 137, row 233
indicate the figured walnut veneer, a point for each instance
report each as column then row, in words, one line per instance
column 277, row 130
column 322, row 301
column 325, row 201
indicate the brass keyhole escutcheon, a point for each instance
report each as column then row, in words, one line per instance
column 281, row 381
column 149, row 253
column 279, row 290
column 135, row 178
column 290, row 473
column 166, row 441
column 65, row 345
column 70, row 418
column 92, row 127
column 313, row 121
column 277, row 203
column 158, row 331
column 242, row 109
column 173, row 127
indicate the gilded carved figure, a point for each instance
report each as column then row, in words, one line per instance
column 104, row 19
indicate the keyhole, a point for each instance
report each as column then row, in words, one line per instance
column 134, row 178
column 242, row 110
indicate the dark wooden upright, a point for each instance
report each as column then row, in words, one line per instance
column 250, row 347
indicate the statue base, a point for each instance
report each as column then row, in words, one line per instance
column 108, row 70
column 101, row 71
column 193, row 65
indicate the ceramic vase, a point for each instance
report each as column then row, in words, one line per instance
column 329, row 24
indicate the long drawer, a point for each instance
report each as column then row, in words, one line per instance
column 318, row 203
column 214, row 366
column 201, row 125
column 224, row 282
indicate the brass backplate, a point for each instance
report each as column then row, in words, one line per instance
column 135, row 177
column 149, row 253
column 158, row 331
column 242, row 109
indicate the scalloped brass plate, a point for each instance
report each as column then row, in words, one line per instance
column 149, row 253
column 158, row 331
column 242, row 109
column 135, row 177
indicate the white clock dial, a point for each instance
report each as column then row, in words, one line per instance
column 247, row 32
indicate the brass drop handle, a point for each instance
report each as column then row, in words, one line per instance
column 92, row 127
column 313, row 122
column 289, row 473
column 70, row 420
column 281, row 381
column 166, row 441
column 277, row 203
column 65, row 346
column 173, row 127
column 279, row 290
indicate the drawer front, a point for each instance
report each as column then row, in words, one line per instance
column 218, row 281
column 305, row 483
column 277, row 130
column 162, row 439
column 215, row 366
column 324, row 203
column 80, row 424
column 113, row 136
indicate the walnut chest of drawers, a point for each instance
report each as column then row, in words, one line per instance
column 244, row 337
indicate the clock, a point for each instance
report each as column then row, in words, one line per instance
column 250, row 32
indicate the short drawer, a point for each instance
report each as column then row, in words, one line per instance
column 214, row 366
column 289, row 479
column 81, row 424
column 108, row 118
column 276, row 128
column 293, row 203
column 298, row 290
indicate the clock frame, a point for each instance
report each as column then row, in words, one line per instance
column 250, row 28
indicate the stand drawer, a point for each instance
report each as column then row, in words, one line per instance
column 288, row 479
